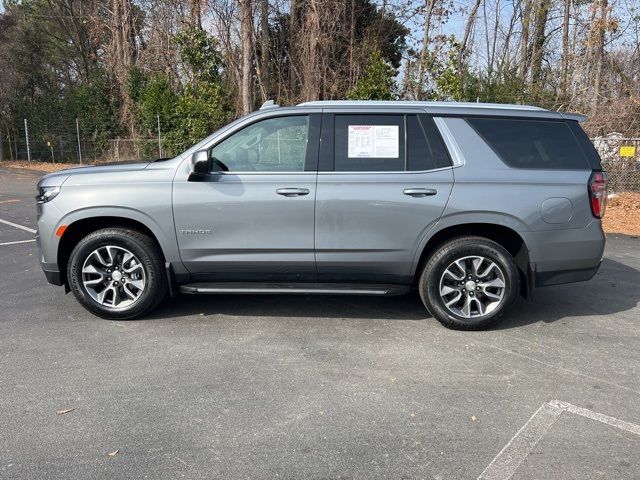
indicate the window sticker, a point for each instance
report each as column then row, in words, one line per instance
column 374, row 141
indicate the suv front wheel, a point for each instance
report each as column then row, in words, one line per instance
column 469, row 282
column 117, row 273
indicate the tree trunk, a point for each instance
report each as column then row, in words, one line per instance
column 195, row 13
column 524, row 40
column 425, row 49
column 352, row 29
column 599, row 51
column 565, row 45
column 540, row 23
column 264, row 49
column 310, row 59
column 293, row 53
column 467, row 33
column 123, row 55
column 247, row 53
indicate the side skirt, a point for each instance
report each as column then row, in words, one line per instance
column 295, row 288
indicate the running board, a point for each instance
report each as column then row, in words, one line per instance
column 295, row 288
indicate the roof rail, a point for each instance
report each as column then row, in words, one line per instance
column 269, row 104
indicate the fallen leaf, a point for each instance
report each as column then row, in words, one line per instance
column 64, row 412
column 114, row 453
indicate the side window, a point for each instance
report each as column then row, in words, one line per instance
column 425, row 148
column 277, row 144
column 538, row 144
column 369, row 143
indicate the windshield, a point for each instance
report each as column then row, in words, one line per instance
column 202, row 144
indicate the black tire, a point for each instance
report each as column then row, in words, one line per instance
column 143, row 248
column 462, row 248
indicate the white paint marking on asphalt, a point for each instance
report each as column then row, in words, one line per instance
column 600, row 417
column 19, row 241
column 558, row 367
column 21, row 227
column 505, row 464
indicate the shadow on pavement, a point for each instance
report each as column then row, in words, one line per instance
column 616, row 288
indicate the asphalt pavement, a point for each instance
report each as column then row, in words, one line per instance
column 305, row 387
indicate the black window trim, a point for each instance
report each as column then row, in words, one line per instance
column 326, row 161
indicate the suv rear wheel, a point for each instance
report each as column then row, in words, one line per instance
column 117, row 273
column 469, row 282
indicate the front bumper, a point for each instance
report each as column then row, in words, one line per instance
column 51, row 271
column 53, row 276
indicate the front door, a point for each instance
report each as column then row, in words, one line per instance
column 254, row 222
column 384, row 182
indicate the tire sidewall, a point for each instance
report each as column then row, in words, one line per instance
column 125, row 239
column 430, row 284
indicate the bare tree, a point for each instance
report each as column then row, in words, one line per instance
column 601, row 27
column 565, row 45
column 471, row 19
column 246, row 28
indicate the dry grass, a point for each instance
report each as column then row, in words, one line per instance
column 39, row 166
column 623, row 214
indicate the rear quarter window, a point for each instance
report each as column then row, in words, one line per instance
column 586, row 144
column 532, row 144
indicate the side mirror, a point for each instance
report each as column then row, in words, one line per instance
column 199, row 165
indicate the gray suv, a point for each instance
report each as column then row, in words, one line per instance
column 472, row 204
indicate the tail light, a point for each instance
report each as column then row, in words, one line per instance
column 598, row 193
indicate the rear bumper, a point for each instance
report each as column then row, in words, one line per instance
column 565, row 255
column 565, row 276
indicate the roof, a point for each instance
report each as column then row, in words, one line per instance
column 450, row 108
column 415, row 103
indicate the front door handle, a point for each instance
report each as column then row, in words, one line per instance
column 292, row 192
column 420, row 192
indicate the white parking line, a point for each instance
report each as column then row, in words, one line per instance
column 19, row 241
column 505, row 464
column 21, row 227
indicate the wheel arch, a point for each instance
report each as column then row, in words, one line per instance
column 505, row 236
column 80, row 228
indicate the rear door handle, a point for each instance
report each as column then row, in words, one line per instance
column 292, row 192
column 420, row 192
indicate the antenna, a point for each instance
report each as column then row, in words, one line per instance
column 269, row 104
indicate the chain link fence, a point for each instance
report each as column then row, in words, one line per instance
column 621, row 160
column 70, row 145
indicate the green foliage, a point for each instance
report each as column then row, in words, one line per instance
column 157, row 99
column 377, row 83
column 189, row 114
column 200, row 110
column 135, row 83
column 202, row 106
column 95, row 109
column 504, row 88
column 198, row 52
column 447, row 76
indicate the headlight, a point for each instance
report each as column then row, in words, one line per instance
column 46, row 194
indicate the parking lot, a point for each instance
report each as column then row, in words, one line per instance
column 314, row 387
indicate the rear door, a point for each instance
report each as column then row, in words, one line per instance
column 383, row 183
column 254, row 222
